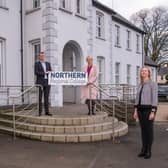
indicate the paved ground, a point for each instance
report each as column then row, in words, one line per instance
column 162, row 113
column 23, row 153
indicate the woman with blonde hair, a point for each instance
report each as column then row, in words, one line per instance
column 145, row 110
column 89, row 92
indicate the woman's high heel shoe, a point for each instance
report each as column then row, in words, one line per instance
column 142, row 153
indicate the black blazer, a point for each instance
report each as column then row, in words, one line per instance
column 39, row 72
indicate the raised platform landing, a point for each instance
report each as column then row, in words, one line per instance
column 68, row 124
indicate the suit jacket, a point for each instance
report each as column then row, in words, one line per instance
column 40, row 74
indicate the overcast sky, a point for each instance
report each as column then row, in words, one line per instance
column 128, row 7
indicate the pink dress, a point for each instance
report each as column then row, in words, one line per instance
column 92, row 78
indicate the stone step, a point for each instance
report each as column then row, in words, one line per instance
column 120, row 130
column 60, row 120
column 91, row 128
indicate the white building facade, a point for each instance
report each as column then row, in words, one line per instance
column 67, row 31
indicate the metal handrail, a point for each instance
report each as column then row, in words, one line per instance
column 14, row 105
column 27, row 90
column 113, row 106
column 100, row 89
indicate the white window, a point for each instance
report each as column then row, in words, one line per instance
column 65, row 4
column 153, row 74
column 78, row 6
column 36, row 50
column 99, row 25
column 128, row 40
column 128, row 74
column 101, row 68
column 137, row 43
column 36, row 4
column 137, row 75
column 117, row 73
column 2, row 62
column 117, row 35
column 2, row 3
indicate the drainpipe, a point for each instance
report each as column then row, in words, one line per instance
column 143, row 57
column 21, row 45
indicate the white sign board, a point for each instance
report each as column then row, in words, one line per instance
column 67, row 78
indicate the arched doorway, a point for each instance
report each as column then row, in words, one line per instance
column 72, row 54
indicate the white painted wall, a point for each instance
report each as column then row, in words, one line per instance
column 102, row 47
column 32, row 30
column 124, row 57
column 10, row 31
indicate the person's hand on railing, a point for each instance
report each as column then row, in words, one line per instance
column 135, row 114
column 89, row 83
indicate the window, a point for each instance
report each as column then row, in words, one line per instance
column 2, row 3
column 117, row 35
column 117, row 73
column 137, row 75
column 63, row 3
column 2, row 62
column 128, row 74
column 153, row 74
column 36, row 4
column 128, row 40
column 137, row 43
column 37, row 50
column 78, row 6
column 101, row 68
column 99, row 25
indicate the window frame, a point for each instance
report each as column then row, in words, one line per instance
column 36, row 4
column 117, row 73
column 101, row 70
column 32, row 45
column 3, row 3
column 128, row 74
column 117, row 35
column 100, row 25
column 137, row 43
column 137, row 75
column 128, row 40
column 65, row 5
column 3, row 61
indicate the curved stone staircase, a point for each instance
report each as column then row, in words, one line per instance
column 65, row 128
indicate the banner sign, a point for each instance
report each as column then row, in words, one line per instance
column 67, row 78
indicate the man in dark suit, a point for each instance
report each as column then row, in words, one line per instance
column 41, row 71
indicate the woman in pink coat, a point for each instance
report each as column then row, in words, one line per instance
column 89, row 92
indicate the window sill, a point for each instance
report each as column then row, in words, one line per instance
column 66, row 10
column 32, row 10
column 128, row 49
column 80, row 16
column 118, row 46
column 101, row 38
column 4, row 8
column 137, row 52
